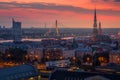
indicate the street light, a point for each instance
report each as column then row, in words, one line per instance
column 88, row 59
column 8, row 55
column 26, row 57
column 74, row 58
column 61, row 57
column 47, row 57
column 36, row 56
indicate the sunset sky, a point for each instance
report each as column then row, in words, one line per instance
column 69, row 13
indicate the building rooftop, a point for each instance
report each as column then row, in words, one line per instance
column 72, row 75
column 17, row 72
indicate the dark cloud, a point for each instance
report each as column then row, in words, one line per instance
column 117, row 0
column 50, row 6
column 105, row 0
column 95, row 1
column 47, row 6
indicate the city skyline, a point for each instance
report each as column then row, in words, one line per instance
column 74, row 14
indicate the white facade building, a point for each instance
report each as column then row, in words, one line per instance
column 58, row 63
column 80, row 52
column 68, row 54
column 35, row 53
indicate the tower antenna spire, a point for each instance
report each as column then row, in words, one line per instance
column 56, row 24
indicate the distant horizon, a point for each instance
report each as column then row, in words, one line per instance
column 59, row 28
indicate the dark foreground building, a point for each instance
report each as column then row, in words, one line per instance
column 22, row 72
column 72, row 75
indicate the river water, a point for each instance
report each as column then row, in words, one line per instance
column 34, row 40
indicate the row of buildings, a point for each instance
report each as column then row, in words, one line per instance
column 98, row 48
column 85, row 51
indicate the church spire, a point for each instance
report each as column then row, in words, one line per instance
column 100, row 29
column 95, row 31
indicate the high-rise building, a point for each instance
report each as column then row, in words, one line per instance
column 95, row 30
column 16, row 31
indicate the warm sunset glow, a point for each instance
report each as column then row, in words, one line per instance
column 69, row 13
